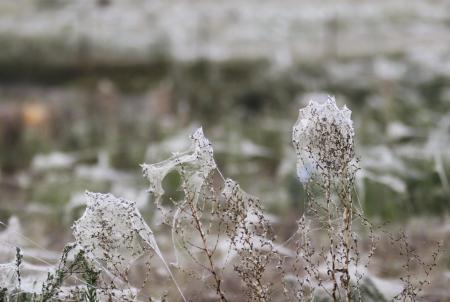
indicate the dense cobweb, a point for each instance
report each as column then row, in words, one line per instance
column 114, row 235
column 323, row 138
column 199, row 158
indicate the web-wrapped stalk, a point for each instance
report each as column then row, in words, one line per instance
column 323, row 138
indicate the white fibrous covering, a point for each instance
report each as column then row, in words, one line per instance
column 113, row 233
column 8, row 275
column 323, row 139
column 199, row 158
column 10, row 238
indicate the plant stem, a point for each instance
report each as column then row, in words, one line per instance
column 330, row 236
column 208, row 253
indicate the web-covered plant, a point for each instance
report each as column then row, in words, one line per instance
column 334, row 267
column 109, row 237
column 216, row 222
column 113, row 235
column 219, row 233
column 323, row 139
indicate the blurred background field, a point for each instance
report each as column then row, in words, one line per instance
column 91, row 89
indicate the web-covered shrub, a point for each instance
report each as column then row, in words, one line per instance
column 220, row 233
column 216, row 223
column 251, row 238
column 113, row 233
column 323, row 138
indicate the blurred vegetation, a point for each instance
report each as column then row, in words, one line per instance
column 122, row 109
column 64, row 90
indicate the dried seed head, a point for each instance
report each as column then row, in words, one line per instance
column 323, row 140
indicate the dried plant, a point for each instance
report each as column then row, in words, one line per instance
column 211, row 225
column 323, row 138
column 113, row 235
column 413, row 283
column 251, row 238
column 218, row 229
